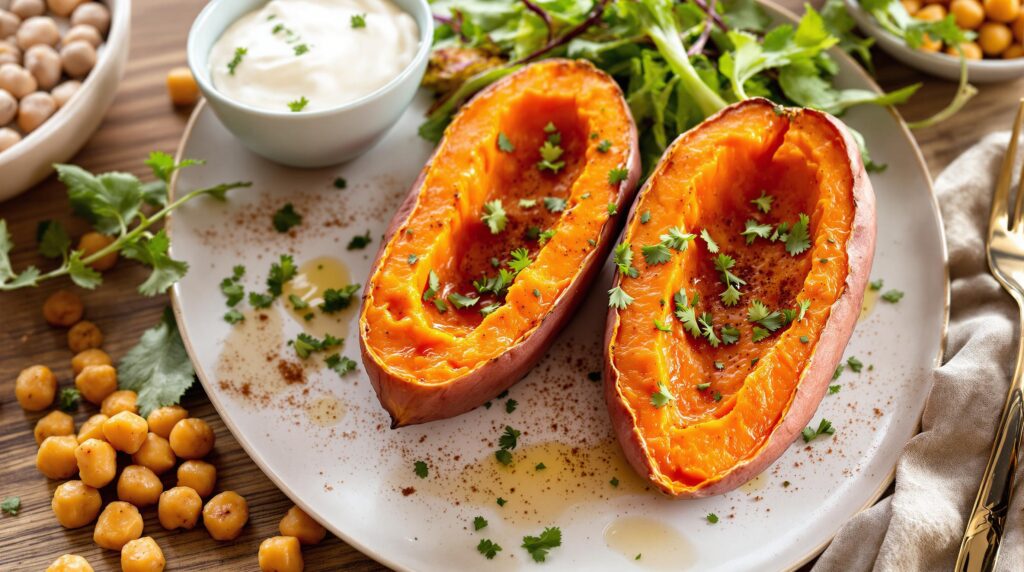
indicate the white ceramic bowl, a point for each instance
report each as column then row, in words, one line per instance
column 60, row 137
column 314, row 138
column 937, row 64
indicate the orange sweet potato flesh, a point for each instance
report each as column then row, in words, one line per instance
column 428, row 364
column 759, row 396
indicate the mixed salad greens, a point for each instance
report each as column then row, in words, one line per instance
column 678, row 62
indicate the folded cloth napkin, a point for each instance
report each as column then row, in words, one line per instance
column 920, row 526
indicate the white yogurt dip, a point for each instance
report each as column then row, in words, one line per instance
column 307, row 55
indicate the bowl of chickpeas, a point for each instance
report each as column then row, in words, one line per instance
column 60, row 64
column 995, row 54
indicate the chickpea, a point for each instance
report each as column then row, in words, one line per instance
column 1018, row 28
column 10, row 53
column 931, row 13
column 224, row 515
column 192, row 438
column 75, row 504
column 92, row 429
column 139, row 486
column 994, row 38
column 34, row 109
column 298, row 524
column 122, row 400
column 92, row 14
column 55, row 424
column 972, row 51
column 1002, row 10
column 125, row 431
column 37, row 30
column 63, row 7
column 85, row 33
column 96, row 382
column 63, row 92
column 28, row 8
column 56, row 457
column 1013, row 52
column 182, row 87
column 118, row 524
column 280, row 554
column 89, row 357
column 43, row 63
column 179, row 508
column 155, row 454
column 84, row 335
column 9, row 23
column 142, row 555
column 93, row 242
column 8, row 107
column 78, row 58
column 35, row 388
column 16, row 80
column 70, row 563
column 162, row 420
column 8, row 138
column 969, row 14
column 911, row 6
column 63, row 307
column 97, row 463
column 199, row 476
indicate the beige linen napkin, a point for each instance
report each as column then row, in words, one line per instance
column 919, row 527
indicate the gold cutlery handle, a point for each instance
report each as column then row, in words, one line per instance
column 980, row 545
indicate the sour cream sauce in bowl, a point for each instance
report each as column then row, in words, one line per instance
column 310, row 55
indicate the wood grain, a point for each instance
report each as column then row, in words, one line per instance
column 141, row 120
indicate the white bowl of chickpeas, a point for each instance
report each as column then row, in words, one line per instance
column 996, row 54
column 60, row 65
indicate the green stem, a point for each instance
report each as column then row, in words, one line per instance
column 964, row 93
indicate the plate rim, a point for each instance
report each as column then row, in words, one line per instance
column 379, row 557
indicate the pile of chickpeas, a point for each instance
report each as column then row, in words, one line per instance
column 156, row 444
column 46, row 48
column 998, row 23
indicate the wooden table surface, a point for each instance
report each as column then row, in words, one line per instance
column 140, row 120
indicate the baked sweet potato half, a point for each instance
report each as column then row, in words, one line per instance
column 741, row 276
column 498, row 240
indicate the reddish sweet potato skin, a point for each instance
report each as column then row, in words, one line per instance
column 816, row 376
column 467, row 392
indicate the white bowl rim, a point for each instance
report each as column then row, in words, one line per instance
column 939, row 58
column 120, row 16
column 211, row 92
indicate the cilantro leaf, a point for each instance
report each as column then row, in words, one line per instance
column 604, row 146
column 661, row 397
column 420, row 468
column 109, row 201
column 677, row 239
column 494, row 216
column 730, row 335
column 305, row 344
column 153, row 252
column 892, row 296
column 686, row 312
column 759, row 314
column 550, row 155
column 760, row 333
column 337, row 299
column 285, row 218
column 510, row 405
column 53, row 240
column 10, row 505
column 520, row 260
column 707, row 329
column 68, row 399
column 623, row 258
column 504, row 143
column 854, row 364
column 280, row 273
column 503, row 456
column 433, row 285
column 834, row 389
column 488, row 549
column 554, row 204
column 82, row 275
column 724, row 264
column 754, row 230
column 509, row 439
column 712, row 518
column 157, row 368
column 618, row 175
column 527, row 203
column 656, row 254
column 479, row 522
column 712, row 245
column 877, row 285
column 359, row 241
column 617, row 298
column 538, row 546
column 233, row 316
column 460, row 301
column 799, row 238
column 824, row 428
column 764, row 202
column 340, row 364
column 298, row 104
column 357, row 21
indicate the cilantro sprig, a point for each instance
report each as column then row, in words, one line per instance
column 539, row 546
column 114, row 204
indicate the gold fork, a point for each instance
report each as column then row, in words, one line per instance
column 1005, row 250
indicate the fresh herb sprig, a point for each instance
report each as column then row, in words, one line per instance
column 114, row 203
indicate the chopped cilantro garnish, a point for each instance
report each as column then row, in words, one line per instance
column 340, row 364
column 877, row 284
column 712, row 245
column 520, row 260
column 892, row 296
column 604, row 146
column 724, row 264
column 540, row 467
column 256, row 300
column 305, row 344
column 538, row 546
column 460, row 301
column 617, row 298
column 298, row 105
column 554, row 204
column 834, row 389
column 824, row 428
column 340, row 183
column 838, row 372
column 501, row 501
column 799, row 238
column 661, row 326
column 511, row 405
column 623, row 258
column 613, row 209
column 712, row 518
column 509, row 439
column 527, row 203
column 412, row 259
column 360, row 241
column 661, row 397
column 764, row 202
column 759, row 314
column 614, row 482
column 618, row 175
column 237, row 59
column 301, row 49
column 479, row 523
column 280, row 273
column 754, row 230
column 488, row 549
column 494, row 216
column 504, row 143
column 656, row 254
column 68, row 399
column 11, row 505
column 547, row 235
column 286, row 218
column 758, row 333
column 550, row 154
column 420, row 468
column 503, row 456
column 854, row 364
column 433, row 285
column 337, row 299
column 489, row 309
column 358, row 21
column 297, row 303
column 677, row 239
column 645, row 217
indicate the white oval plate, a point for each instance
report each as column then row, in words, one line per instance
column 326, row 442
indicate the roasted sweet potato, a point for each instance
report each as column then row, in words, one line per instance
column 495, row 245
column 752, row 244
